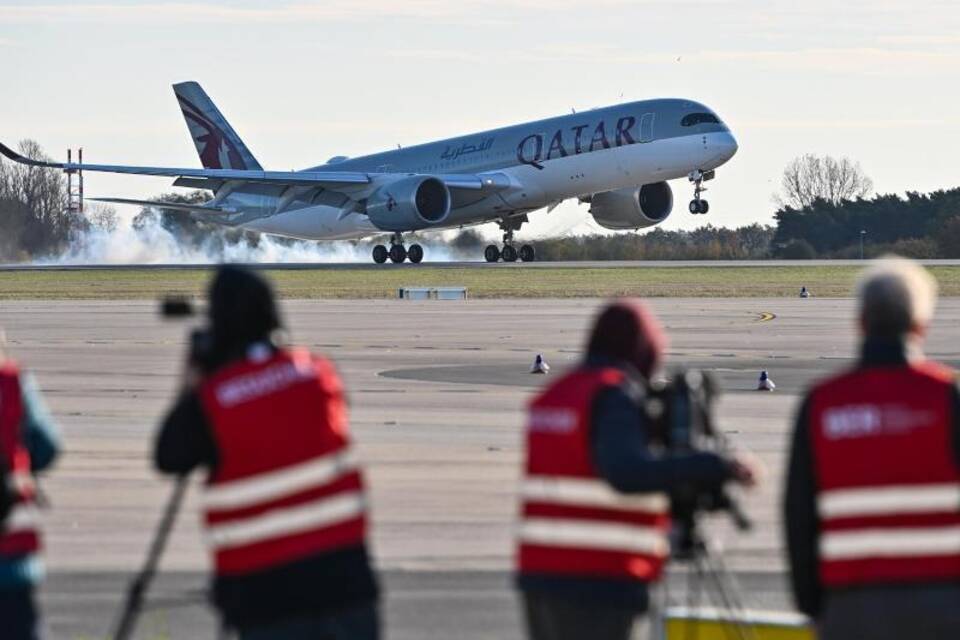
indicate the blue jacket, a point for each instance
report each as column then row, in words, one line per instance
column 42, row 439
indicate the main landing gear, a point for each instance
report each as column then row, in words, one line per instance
column 698, row 177
column 509, row 253
column 397, row 252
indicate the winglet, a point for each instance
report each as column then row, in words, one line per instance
column 16, row 157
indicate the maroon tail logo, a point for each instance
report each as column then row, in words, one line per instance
column 211, row 140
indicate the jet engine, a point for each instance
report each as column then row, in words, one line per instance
column 409, row 204
column 632, row 208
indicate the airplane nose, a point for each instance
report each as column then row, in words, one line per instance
column 729, row 145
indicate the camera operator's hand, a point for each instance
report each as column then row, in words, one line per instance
column 746, row 469
column 190, row 375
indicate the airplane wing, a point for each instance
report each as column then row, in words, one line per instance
column 316, row 178
column 334, row 180
column 176, row 206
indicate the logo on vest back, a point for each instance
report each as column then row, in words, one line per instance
column 261, row 383
column 865, row 420
column 552, row 421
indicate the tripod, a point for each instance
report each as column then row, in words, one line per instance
column 709, row 574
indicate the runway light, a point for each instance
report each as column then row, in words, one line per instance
column 804, row 293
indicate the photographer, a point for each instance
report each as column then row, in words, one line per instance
column 596, row 516
column 284, row 500
column 29, row 443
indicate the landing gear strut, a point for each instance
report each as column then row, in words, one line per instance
column 509, row 253
column 698, row 177
column 397, row 252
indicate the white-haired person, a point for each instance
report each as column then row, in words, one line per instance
column 872, row 502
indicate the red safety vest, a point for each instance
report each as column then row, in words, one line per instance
column 287, row 485
column 888, row 485
column 573, row 523
column 19, row 535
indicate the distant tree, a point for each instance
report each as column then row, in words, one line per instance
column 34, row 219
column 102, row 217
column 809, row 178
column 797, row 250
column 948, row 239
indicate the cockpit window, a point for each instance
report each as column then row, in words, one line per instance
column 698, row 118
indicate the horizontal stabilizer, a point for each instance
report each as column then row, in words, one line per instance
column 176, row 206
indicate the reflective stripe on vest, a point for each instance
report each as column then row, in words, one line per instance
column 889, row 486
column 573, row 523
column 287, row 485
column 590, row 492
column 586, row 533
column 257, row 492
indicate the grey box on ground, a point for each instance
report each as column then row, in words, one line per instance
column 432, row 293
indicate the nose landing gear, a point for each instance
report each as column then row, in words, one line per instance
column 698, row 177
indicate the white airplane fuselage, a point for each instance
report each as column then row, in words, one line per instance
column 560, row 179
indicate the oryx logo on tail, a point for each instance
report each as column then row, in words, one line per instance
column 218, row 145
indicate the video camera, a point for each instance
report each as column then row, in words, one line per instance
column 680, row 411
column 201, row 340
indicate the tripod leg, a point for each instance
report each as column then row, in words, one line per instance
column 138, row 588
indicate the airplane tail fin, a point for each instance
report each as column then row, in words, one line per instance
column 217, row 143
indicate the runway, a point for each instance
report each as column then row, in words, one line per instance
column 348, row 266
column 437, row 394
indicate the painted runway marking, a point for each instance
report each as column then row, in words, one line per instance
column 766, row 316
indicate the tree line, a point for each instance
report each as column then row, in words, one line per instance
column 917, row 226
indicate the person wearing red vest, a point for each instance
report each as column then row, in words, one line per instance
column 594, row 522
column 284, row 502
column 872, row 502
column 29, row 443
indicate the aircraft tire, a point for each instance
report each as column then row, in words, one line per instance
column 527, row 253
column 694, row 207
column 380, row 254
column 398, row 254
column 509, row 254
column 704, row 206
column 491, row 253
column 415, row 253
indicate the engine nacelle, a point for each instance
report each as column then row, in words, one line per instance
column 632, row 208
column 409, row 204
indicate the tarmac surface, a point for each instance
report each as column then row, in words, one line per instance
column 437, row 391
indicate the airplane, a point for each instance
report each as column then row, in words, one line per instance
column 617, row 159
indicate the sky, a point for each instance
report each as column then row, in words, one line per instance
column 875, row 80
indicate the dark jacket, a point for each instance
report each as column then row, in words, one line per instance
column 801, row 522
column 322, row 584
column 623, row 456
